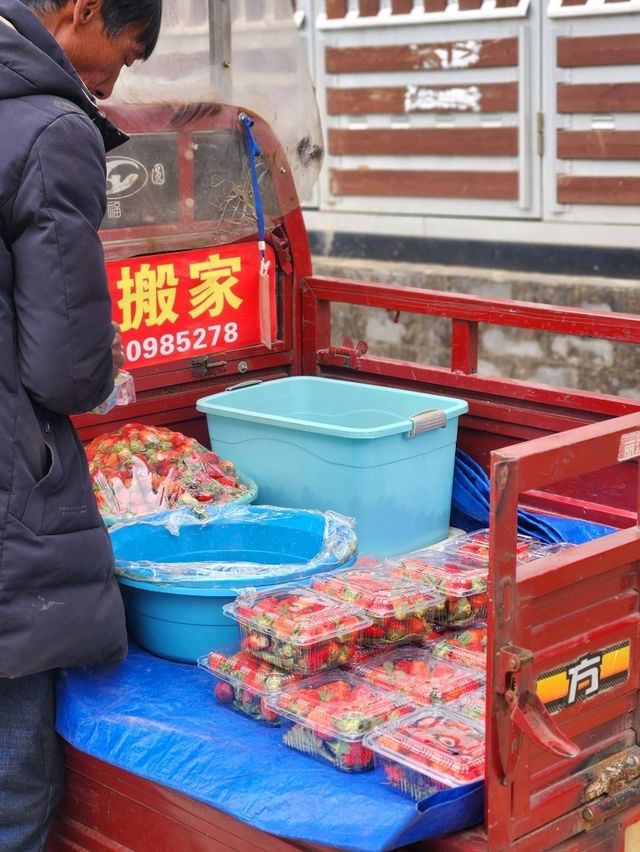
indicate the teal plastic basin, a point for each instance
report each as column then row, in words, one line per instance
column 178, row 569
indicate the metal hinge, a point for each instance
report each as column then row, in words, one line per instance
column 349, row 352
column 615, row 775
column 614, row 788
column 540, row 134
column 205, row 364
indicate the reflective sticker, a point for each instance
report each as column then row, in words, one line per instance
column 584, row 678
column 629, row 446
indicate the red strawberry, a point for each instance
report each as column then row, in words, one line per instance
column 224, row 692
column 334, row 689
column 267, row 713
column 357, row 756
column 394, row 773
column 257, row 641
column 395, row 629
column 215, row 659
column 317, row 658
column 373, row 632
column 415, row 626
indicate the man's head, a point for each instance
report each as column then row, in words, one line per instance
column 99, row 37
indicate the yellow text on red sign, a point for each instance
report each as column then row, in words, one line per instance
column 188, row 304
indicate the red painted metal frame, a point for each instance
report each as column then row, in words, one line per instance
column 501, row 411
column 109, row 810
column 559, row 609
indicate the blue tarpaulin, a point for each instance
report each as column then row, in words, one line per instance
column 470, row 509
column 160, row 720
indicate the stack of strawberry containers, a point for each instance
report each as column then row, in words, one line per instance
column 442, row 744
column 410, row 633
column 403, row 613
column 288, row 633
column 293, row 643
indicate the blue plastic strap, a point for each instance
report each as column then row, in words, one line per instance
column 253, row 150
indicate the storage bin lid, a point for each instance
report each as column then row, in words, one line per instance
column 433, row 742
column 420, row 676
column 339, row 704
column 377, row 593
column 352, row 410
column 244, row 670
column 297, row 615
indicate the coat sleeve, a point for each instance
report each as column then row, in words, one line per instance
column 61, row 296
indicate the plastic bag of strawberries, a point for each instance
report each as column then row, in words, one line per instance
column 140, row 469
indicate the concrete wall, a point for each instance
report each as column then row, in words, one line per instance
column 575, row 362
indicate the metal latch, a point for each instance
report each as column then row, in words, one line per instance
column 349, row 352
column 427, row 421
column 531, row 717
column 527, row 713
column 205, row 364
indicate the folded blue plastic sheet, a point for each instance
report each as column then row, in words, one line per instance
column 160, row 720
column 470, row 509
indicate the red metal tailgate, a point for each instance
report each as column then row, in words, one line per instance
column 563, row 662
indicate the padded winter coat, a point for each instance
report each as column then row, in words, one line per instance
column 59, row 600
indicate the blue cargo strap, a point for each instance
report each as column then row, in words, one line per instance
column 254, row 151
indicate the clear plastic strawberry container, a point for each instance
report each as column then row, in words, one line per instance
column 297, row 629
column 420, row 676
column 327, row 715
column 467, row 646
column 428, row 751
column 437, row 633
column 463, row 589
column 401, row 611
column 365, row 652
column 472, row 705
column 472, row 549
column 243, row 683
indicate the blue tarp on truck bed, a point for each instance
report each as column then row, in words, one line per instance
column 160, row 720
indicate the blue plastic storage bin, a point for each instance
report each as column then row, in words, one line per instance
column 381, row 455
column 177, row 569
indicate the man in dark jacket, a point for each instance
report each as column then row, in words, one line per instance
column 59, row 600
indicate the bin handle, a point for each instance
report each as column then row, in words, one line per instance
column 427, row 421
column 249, row 383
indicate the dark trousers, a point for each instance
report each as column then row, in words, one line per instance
column 30, row 762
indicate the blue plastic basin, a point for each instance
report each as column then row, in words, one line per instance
column 178, row 569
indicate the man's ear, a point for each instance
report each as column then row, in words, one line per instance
column 84, row 11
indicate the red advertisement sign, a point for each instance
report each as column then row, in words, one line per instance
column 188, row 304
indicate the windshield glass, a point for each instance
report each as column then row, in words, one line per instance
column 214, row 60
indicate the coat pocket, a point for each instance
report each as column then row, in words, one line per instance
column 62, row 501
